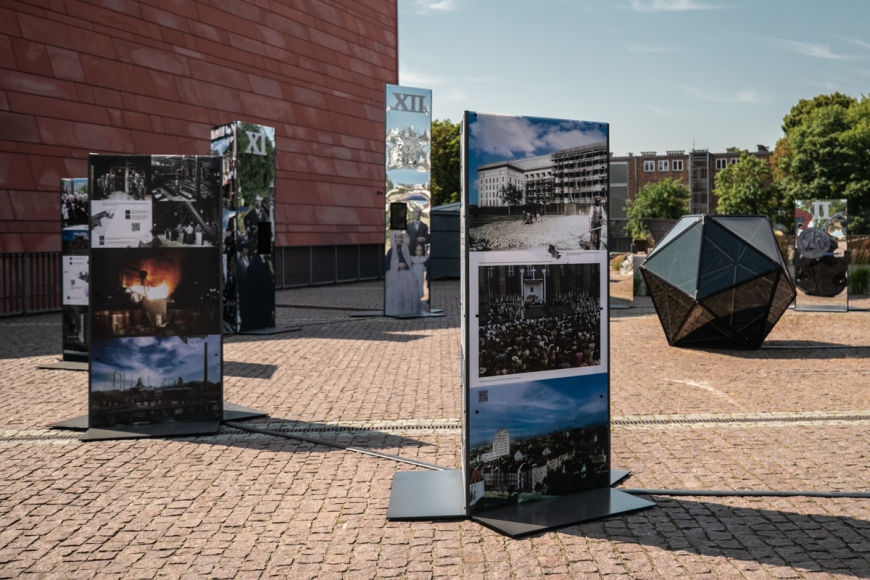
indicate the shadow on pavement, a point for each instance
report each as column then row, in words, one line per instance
column 809, row 542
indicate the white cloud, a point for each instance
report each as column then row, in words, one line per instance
column 814, row 50
column 412, row 78
column 746, row 97
column 670, row 5
column 518, row 137
column 855, row 41
column 643, row 48
column 430, row 6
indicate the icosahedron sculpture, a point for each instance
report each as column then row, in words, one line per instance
column 718, row 281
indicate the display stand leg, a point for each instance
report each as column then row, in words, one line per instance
column 270, row 331
column 427, row 495
column 617, row 476
column 366, row 313
column 66, row 365
column 232, row 412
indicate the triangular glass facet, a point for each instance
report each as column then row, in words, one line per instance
column 754, row 230
column 677, row 263
column 671, row 305
column 744, row 305
column 783, row 296
column 679, row 227
column 727, row 260
column 702, row 330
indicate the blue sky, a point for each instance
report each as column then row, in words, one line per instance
column 534, row 408
column 495, row 138
column 664, row 73
column 154, row 358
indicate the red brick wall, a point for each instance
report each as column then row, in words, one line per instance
column 153, row 76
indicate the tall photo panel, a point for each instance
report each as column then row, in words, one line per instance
column 535, row 334
column 821, row 259
column 248, row 156
column 76, row 274
column 408, row 201
column 155, row 295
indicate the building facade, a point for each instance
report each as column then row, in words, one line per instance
column 153, row 77
column 575, row 175
column 696, row 169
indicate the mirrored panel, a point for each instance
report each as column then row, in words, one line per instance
column 821, row 262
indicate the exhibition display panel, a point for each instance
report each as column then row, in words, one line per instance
column 247, row 225
column 821, row 259
column 156, row 361
column 535, row 333
column 408, row 202
column 718, row 281
column 76, row 274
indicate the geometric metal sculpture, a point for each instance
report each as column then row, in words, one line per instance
column 718, row 281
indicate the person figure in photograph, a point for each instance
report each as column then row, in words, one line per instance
column 417, row 234
column 258, row 213
column 403, row 293
column 596, row 224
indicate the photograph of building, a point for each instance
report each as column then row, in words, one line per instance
column 536, row 440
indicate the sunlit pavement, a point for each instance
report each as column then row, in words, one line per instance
column 240, row 505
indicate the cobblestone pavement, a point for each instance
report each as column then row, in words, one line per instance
column 241, row 505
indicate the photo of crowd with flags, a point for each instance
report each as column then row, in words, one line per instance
column 538, row 317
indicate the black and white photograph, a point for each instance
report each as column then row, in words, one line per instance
column 120, row 178
column 538, row 317
column 155, row 292
column 537, row 183
column 155, row 379
column 74, row 203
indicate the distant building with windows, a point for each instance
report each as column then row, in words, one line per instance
column 573, row 175
column 501, row 446
column 696, row 169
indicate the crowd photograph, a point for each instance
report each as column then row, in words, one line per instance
column 538, row 317
column 74, row 203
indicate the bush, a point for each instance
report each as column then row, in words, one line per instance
column 616, row 263
column 639, row 285
column 859, row 281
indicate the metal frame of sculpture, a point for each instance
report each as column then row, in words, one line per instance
column 718, row 281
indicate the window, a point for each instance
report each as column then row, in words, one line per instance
column 733, row 160
column 721, row 163
column 649, row 165
column 663, row 165
column 678, row 164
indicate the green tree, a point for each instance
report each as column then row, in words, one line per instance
column 804, row 107
column 665, row 199
column 256, row 173
column 444, row 154
column 826, row 155
column 510, row 195
column 741, row 188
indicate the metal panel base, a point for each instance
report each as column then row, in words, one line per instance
column 232, row 412
column 534, row 517
column 66, row 365
column 617, row 476
column 184, row 429
column 270, row 331
column 427, row 495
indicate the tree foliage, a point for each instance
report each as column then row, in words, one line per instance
column 256, row 173
column 446, row 168
column 826, row 155
column 665, row 199
column 510, row 194
column 741, row 188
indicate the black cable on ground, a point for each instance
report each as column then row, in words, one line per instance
column 668, row 492
column 741, row 493
column 316, row 441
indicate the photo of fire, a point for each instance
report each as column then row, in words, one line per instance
column 154, row 292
